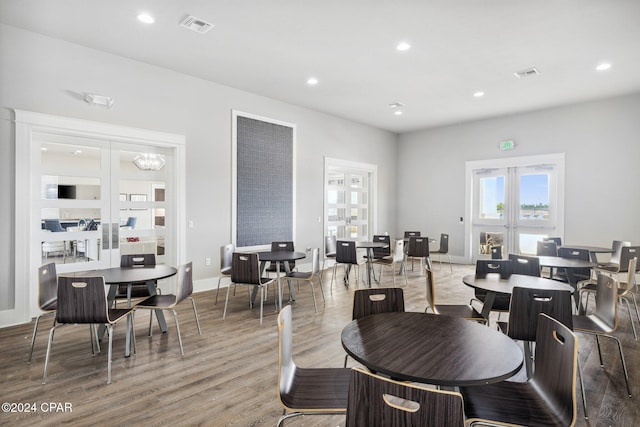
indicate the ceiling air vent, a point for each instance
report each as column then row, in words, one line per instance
column 527, row 73
column 198, row 25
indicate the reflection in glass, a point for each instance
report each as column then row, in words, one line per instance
column 492, row 197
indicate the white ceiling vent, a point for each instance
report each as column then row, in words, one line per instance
column 195, row 24
column 527, row 73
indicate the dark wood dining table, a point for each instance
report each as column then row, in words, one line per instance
column 117, row 276
column 432, row 349
column 370, row 246
column 495, row 284
column 279, row 258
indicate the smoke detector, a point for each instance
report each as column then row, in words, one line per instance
column 196, row 24
column 527, row 73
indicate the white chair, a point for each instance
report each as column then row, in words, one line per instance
column 397, row 258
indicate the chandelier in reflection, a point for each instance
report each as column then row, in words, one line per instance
column 149, row 161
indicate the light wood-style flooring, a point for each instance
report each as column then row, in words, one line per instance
column 228, row 374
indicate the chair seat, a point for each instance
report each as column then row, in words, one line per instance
column 609, row 266
column 302, row 275
column 138, row 290
column 330, row 255
column 500, row 303
column 318, row 388
column 459, row 310
column 520, row 403
column 115, row 314
column 50, row 305
column 589, row 324
column 226, row 271
column 158, row 301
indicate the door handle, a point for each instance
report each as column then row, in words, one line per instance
column 115, row 235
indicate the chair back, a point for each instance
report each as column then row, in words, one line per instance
column 579, row 254
column 47, row 286
column 496, row 252
column 616, row 247
column 286, row 246
column 81, row 300
column 546, row 248
column 346, row 252
column 330, row 245
column 286, row 365
column 315, row 261
column 375, row 401
column 226, row 258
column 418, row 247
column 398, row 250
column 131, row 222
column 631, row 277
column 184, row 287
column 627, row 254
column 555, row 372
column 53, row 225
column 245, row 268
column 556, row 240
column 409, row 234
column 431, row 290
column 378, row 300
column 444, row 244
column 525, row 265
column 527, row 304
column 137, row 260
column 607, row 302
column 499, row 266
column 382, row 252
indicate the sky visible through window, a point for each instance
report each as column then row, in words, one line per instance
column 534, row 189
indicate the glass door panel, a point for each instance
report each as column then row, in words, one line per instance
column 347, row 204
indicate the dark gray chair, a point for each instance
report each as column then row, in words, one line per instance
column 226, row 260
column 578, row 254
column 419, row 248
column 138, row 290
column 53, row 225
column 547, row 248
column 308, row 276
column 397, row 257
column 375, row 401
column 525, row 265
column 83, row 300
column 47, row 297
column 493, row 266
column 245, row 270
column 286, row 246
column 547, row 399
column 346, row 254
column 184, row 289
column 306, row 391
column 443, row 250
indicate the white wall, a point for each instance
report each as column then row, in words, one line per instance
column 601, row 140
column 46, row 75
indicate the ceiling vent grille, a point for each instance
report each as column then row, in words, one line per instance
column 195, row 24
column 527, row 73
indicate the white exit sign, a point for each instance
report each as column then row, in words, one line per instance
column 507, row 145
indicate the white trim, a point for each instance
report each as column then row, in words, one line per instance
column 557, row 159
column 234, row 173
column 26, row 123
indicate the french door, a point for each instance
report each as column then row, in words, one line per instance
column 87, row 192
column 349, row 199
column 515, row 202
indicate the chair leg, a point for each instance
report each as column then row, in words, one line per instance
column 261, row 302
column 110, row 328
column 175, row 316
column 333, row 275
column 226, row 300
column 33, row 338
column 624, row 363
column 46, row 359
column 218, row 290
column 584, row 397
column 633, row 326
column 195, row 313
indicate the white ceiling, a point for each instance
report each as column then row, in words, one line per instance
column 458, row 47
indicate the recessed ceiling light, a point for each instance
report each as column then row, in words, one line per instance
column 603, row 66
column 43, row 149
column 396, row 105
column 397, row 112
column 478, row 94
column 402, row 46
column 77, row 152
column 312, row 81
column 146, row 18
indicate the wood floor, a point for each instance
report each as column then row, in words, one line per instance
column 228, row 374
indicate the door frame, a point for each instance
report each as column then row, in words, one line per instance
column 372, row 171
column 557, row 159
column 26, row 123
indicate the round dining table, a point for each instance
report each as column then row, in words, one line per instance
column 494, row 284
column 279, row 258
column 432, row 349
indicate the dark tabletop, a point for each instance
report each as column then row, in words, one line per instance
column 372, row 245
column 118, row 275
column 494, row 283
column 559, row 262
column 592, row 249
column 432, row 349
column 280, row 256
